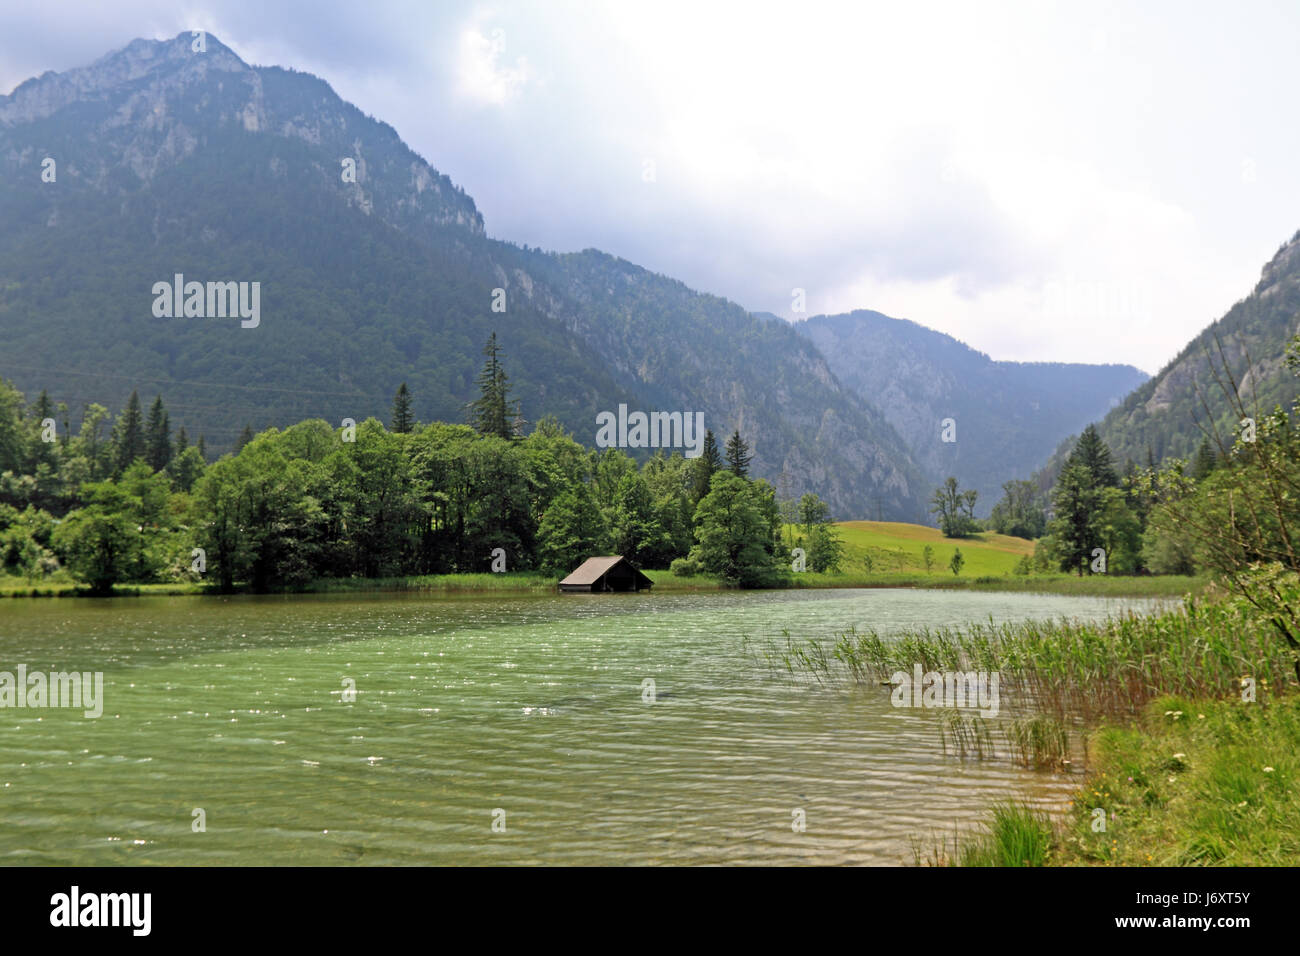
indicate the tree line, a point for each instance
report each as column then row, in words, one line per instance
column 124, row 501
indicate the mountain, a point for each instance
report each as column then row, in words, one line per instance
column 169, row 161
column 1008, row 416
column 1159, row 421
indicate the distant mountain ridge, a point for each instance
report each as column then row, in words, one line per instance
column 1008, row 416
column 169, row 160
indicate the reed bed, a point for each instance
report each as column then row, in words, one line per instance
column 1078, row 671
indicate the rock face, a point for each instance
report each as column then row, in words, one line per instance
column 152, row 104
column 1165, row 418
column 1006, row 416
column 374, row 269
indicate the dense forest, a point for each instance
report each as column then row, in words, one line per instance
column 125, row 500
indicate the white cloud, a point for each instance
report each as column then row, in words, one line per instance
column 483, row 76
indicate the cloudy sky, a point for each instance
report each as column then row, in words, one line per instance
column 1090, row 182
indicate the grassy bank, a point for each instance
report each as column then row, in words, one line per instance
column 1190, row 783
column 1171, row 586
column 1181, row 768
column 1097, row 585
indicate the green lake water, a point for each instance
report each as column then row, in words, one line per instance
column 531, row 705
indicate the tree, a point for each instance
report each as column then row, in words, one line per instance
column 927, row 555
column 1094, row 455
column 157, row 431
column 1075, row 528
column 1205, row 461
column 955, row 508
column 1019, row 513
column 246, row 436
column 402, row 420
column 738, row 455
column 128, row 437
column 97, row 541
column 99, row 454
column 1083, row 511
column 637, row 533
column 186, row 467
column 705, row 466
column 958, row 562
column 491, row 412
column 43, row 451
column 1120, row 532
column 813, row 512
column 571, row 531
column 737, row 523
column 259, row 517
column 825, row 549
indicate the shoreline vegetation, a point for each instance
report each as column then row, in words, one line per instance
column 526, row 582
column 875, row 555
column 1163, row 586
column 1187, row 723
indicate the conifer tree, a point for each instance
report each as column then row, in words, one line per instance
column 705, row 466
column 158, row 442
column 738, row 456
column 128, row 435
column 491, row 412
column 1091, row 452
column 402, row 420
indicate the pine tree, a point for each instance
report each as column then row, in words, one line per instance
column 128, row 437
column 738, row 456
column 402, row 420
column 182, row 442
column 1091, row 452
column 490, row 413
column 202, row 447
column 44, row 408
column 158, row 442
column 1205, row 460
column 1076, row 502
column 244, row 438
column 705, row 466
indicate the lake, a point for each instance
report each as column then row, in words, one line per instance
column 529, row 712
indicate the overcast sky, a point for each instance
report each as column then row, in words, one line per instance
column 1091, row 182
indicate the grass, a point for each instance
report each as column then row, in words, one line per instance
column 894, row 546
column 897, row 560
column 1073, row 670
column 1192, row 783
column 1017, row 836
column 1208, row 782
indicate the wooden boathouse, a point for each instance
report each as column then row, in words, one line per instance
column 599, row 575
